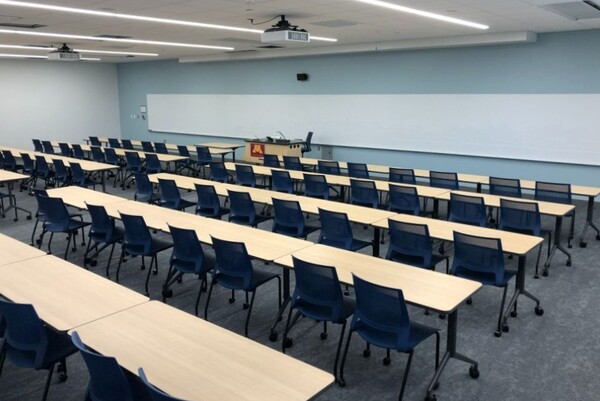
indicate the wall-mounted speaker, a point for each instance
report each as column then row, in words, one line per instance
column 302, row 77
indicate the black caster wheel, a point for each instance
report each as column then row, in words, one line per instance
column 436, row 385
column 231, row 300
column 167, row 293
column 426, row 312
column 288, row 342
column 273, row 336
column 431, row 397
column 441, row 250
column 62, row 377
column 15, row 219
column 498, row 333
column 142, row 267
column 366, row 353
column 469, row 301
column 568, row 263
column 536, row 276
column 582, row 244
column 341, row 383
column 180, row 280
column 474, row 372
column 155, row 273
column 323, row 336
column 28, row 217
column 539, row 311
column 245, row 306
column 545, row 273
column 514, row 314
column 597, row 237
column 93, row 263
column 74, row 249
column 387, row 361
column 442, row 316
column 505, row 328
column 37, row 241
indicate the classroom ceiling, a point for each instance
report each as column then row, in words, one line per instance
column 350, row 22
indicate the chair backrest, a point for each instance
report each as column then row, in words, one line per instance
column 161, row 147
column 24, row 333
column 187, row 247
column 328, row 167
column 111, row 156
column 38, row 193
column 153, row 163
column 169, row 193
column 143, row 187
column 441, row 179
column 62, row 174
column 520, row 216
column 218, row 172
column 232, row 259
column 383, row 309
column 37, row 145
column 318, row 285
column 97, row 154
column 505, row 187
column 137, row 235
column 134, row 163
column 1, row 160
column 364, row 193
column 553, row 192
column 65, row 150
column 94, row 141
column 288, row 219
column 281, row 181
column 358, row 170
column 78, row 174
column 306, row 147
column 183, row 151
column 410, row 239
column 242, row 205
column 10, row 163
column 244, row 175
column 114, row 143
column 48, row 148
column 28, row 165
column 292, row 163
column 42, row 166
column 103, row 225
column 204, row 155
column 78, row 151
column 478, row 254
column 271, row 161
column 315, row 185
column 208, row 201
column 335, row 229
column 107, row 380
column 56, row 212
column 404, row 200
column 127, row 144
column 402, row 175
column 147, row 146
column 155, row 393
column 467, row 209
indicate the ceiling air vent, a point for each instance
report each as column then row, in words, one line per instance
column 270, row 47
column 112, row 36
column 23, row 26
column 575, row 10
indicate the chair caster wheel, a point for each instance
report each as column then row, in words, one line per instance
column 582, row 244
column 180, row 280
column 469, row 301
column 28, row 217
column 514, row 314
column 474, row 372
column 273, row 336
column 93, row 263
column 387, row 361
column 142, row 267
column 545, row 273
column 366, row 353
column 436, row 385
column 288, row 342
column 15, row 219
column 74, row 249
column 231, row 300
column 539, row 310
column 498, row 333
column 245, row 306
column 442, row 316
column 441, row 250
column 155, row 272
column 62, row 377
column 505, row 328
column 167, row 293
column 431, row 397
column 536, row 276
column 341, row 383
column 568, row 263
column 426, row 312
column 597, row 237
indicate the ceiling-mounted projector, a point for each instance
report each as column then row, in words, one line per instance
column 284, row 32
column 64, row 53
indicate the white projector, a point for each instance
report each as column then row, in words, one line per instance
column 285, row 36
column 64, row 56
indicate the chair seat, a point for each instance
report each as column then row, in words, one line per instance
column 324, row 313
column 148, row 198
column 158, row 245
column 117, row 235
column 385, row 339
column 74, row 224
column 183, row 204
column 483, row 278
column 245, row 220
column 417, row 260
column 210, row 212
column 190, row 267
column 259, row 277
column 354, row 246
column 59, row 347
column 293, row 231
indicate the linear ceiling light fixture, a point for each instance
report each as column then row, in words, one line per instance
column 51, row 48
column 41, row 57
column 141, row 18
column 105, row 39
column 422, row 13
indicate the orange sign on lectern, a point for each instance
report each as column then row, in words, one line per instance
column 257, row 150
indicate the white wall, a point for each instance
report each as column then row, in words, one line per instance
column 57, row 101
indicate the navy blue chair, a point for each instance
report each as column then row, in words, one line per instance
column 505, row 187
column 440, row 179
column 467, row 210
column 80, row 179
column 218, row 172
column 103, row 233
column 138, row 241
column 271, row 161
column 209, row 204
column 186, row 164
column 48, row 148
column 65, row 150
column 147, row 146
column 358, row 170
column 78, row 151
column 95, row 141
column 1, row 161
column 153, row 165
column 281, row 181
column 61, row 173
column 524, row 218
column 59, row 220
column 328, row 167
column 37, row 145
column 43, row 172
column 404, row 200
column 28, row 343
column 234, row 271
column 289, row 219
column 244, row 175
column 161, row 147
column 411, row 244
column 203, row 160
column 170, row 196
column 402, row 175
column 557, row 193
column 10, row 163
column 134, row 166
column 114, row 143
column 318, row 296
column 112, row 158
column 381, row 318
column 337, row 232
column 187, row 258
column 28, row 169
column 315, row 186
column 292, row 163
column 481, row 259
column 155, row 393
column 97, row 154
column 364, row 193
column 243, row 211
column 306, row 146
column 144, row 190
column 127, row 144
column 40, row 213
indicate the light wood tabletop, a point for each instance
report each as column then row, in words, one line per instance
column 86, row 165
column 64, row 295
column 195, row 360
column 7, row 176
column 77, row 196
column 432, row 290
column 121, row 152
column 12, row 250
column 222, row 145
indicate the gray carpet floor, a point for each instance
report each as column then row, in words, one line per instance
column 552, row 357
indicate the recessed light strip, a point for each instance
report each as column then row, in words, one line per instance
column 104, row 39
column 141, row 18
column 49, row 48
column 422, row 13
column 42, row 57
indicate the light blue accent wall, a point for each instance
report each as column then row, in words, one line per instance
column 567, row 62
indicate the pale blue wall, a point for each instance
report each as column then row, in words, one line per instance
column 566, row 62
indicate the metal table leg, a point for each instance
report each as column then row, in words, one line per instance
column 376, row 233
column 557, row 245
column 589, row 222
column 273, row 335
column 12, row 203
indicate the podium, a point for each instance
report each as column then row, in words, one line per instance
column 257, row 148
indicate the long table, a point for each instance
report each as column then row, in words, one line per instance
column 9, row 178
column 12, row 250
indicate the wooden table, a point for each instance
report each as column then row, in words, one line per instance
column 9, row 178
column 12, row 250
column 78, row 197
column 64, row 295
column 192, row 359
column 428, row 289
column 222, row 146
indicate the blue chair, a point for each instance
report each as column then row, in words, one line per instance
column 467, row 210
column 155, row 393
column 524, row 218
column 292, row 163
column 234, row 271
column 1, row 161
column 61, row 173
column 127, row 144
column 170, row 196
column 139, row 242
column 318, row 296
column 65, row 150
column 289, row 219
column 243, row 211
column 161, row 147
column 244, row 175
column 328, row 167
column 59, row 220
column 97, row 154
column 43, row 172
column 358, row 170
column 281, row 181
column 10, row 163
column 315, row 186
column 209, row 204
column 153, row 165
column 272, row 161
column 95, row 141
column 440, row 179
column 402, row 175
column 144, row 190
column 187, row 163
column 481, row 259
column 78, row 151
column 203, row 160
column 147, row 146
column 37, row 145
column 364, row 193
column 28, row 169
column 108, row 381
column 337, row 232
column 218, row 172
column 103, row 233
column 134, row 166
column 187, row 258
column 112, row 158
column 114, row 143
column 411, row 244
column 28, row 343
column 404, row 200
column 306, row 146
column 80, row 179
column 40, row 213
column 557, row 193
column 505, row 187
column 48, row 148
column 381, row 318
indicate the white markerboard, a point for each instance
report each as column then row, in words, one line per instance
column 545, row 127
